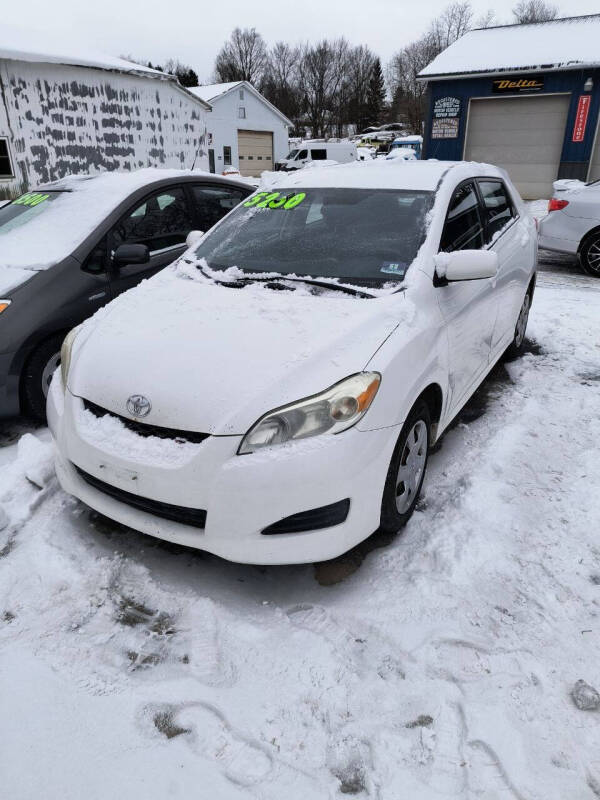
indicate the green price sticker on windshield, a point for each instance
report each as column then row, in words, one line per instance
column 31, row 199
column 275, row 200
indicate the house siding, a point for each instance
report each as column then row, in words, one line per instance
column 65, row 120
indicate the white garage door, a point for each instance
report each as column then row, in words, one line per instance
column 595, row 164
column 522, row 134
column 255, row 150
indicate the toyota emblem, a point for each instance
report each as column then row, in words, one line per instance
column 138, row 405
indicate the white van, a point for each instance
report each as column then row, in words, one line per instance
column 305, row 152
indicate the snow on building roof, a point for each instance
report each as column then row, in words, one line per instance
column 214, row 91
column 18, row 44
column 568, row 43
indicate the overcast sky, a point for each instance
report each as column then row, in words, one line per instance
column 193, row 31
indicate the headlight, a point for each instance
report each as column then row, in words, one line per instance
column 65, row 354
column 333, row 411
column 4, row 304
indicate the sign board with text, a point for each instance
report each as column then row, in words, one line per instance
column 581, row 117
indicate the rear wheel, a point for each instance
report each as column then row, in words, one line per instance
column 515, row 348
column 37, row 376
column 407, row 470
column 590, row 256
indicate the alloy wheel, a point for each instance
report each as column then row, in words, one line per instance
column 593, row 256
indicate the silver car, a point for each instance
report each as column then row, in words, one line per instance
column 573, row 225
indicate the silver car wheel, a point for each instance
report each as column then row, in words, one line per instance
column 522, row 321
column 48, row 372
column 412, row 466
column 593, row 256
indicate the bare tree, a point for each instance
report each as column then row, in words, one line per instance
column 453, row 22
column 407, row 92
column 487, row 20
column 534, row 11
column 321, row 77
column 242, row 58
column 280, row 82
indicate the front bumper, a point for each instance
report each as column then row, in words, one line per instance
column 242, row 495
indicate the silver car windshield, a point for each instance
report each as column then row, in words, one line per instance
column 368, row 235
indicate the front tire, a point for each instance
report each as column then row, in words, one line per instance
column 407, row 470
column 590, row 256
column 37, row 375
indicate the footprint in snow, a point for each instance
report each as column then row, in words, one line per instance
column 243, row 760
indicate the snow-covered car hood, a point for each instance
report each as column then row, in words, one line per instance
column 214, row 359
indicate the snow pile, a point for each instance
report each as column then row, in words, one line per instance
column 568, row 43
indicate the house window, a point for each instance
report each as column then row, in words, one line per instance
column 241, row 94
column 227, row 156
column 5, row 165
column 242, row 112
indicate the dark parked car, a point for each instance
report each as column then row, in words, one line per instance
column 70, row 247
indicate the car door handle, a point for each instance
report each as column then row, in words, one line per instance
column 96, row 296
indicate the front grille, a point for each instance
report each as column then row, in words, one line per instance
column 183, row 514
column 316, row 518
column 144, row 429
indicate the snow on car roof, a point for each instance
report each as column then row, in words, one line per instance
column 66, row 222
column 416, row 175
column 567, row 43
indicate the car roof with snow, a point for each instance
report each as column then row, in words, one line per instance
column 424, row 176
column 70, row 219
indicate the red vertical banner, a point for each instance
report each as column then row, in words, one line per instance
column 581, row 117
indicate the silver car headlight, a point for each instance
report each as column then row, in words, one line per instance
column 332, row 411
column 65, row 354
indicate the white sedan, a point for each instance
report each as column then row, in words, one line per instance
column 273, row 395
column 573, row 224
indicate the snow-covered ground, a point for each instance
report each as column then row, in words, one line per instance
column 441, row 667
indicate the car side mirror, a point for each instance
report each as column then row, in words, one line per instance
column 466, row 265
column 193, row 237
column 131, row 254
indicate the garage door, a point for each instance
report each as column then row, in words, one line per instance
column 595, row 164
column 522, row 134
column 255, row 150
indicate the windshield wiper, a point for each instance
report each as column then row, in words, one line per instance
column 313, row 282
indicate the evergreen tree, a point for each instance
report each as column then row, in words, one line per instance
column 376, row 94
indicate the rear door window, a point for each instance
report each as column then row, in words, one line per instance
column 463, row 229
column 213, row 202
column 162, row 220
column 319, row 155
column 498, row 207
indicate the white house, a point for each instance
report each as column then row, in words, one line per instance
column 65, row 111
column 245, row 131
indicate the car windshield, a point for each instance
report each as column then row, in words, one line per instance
column 367, row 235
column 24, row 209
column 292, row 154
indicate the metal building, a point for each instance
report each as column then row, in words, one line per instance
column 524, row 97
column 64, row 112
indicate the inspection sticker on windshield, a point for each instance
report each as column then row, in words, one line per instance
column 394, row 268
column 275, row 200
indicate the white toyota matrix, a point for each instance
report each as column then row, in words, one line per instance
column 272, row 396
